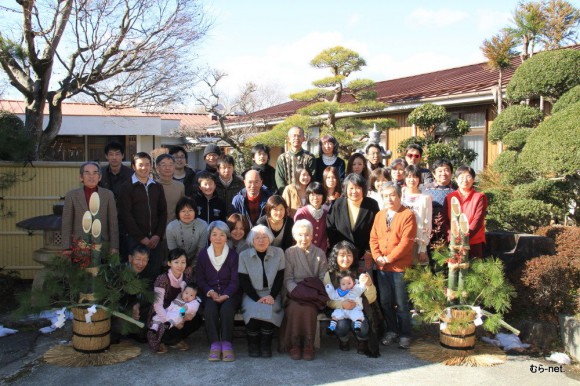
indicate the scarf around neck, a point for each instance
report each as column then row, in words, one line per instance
column 218, row 261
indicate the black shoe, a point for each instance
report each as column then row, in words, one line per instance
column 254, row 346
column 266, row 344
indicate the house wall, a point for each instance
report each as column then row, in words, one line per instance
column 405, row 130
column 42, row 186
column 396, row 135
column 146, row 143
column 492, row 148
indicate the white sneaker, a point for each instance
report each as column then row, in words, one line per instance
column 404, row 342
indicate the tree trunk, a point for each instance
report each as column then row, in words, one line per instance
column 53, row 127
column 499, row 92
column 331, row 121
column 499, row 105
column 525, row 45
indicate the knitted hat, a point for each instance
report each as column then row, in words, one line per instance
column 212, row 148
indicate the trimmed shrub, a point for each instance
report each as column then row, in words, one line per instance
column 512, row 172
column 543, row 190
column 15, row 145
column 428, row 116
column 553, row 148
column 516, row 139
column 549, row 74
column 566, row 239
column 513, row 118
column 569, row 98
column 553, row 282
column 505, row 212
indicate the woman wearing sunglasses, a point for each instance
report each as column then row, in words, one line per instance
column 413, row 156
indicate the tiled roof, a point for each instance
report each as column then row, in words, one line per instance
column 187, row 119
column 73, row 109
column 458, row 81
column 92, row 109
column 453, row 81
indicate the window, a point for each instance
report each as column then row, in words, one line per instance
column 475, row 139
column 67, row 148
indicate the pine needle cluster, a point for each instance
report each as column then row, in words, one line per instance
column 65, row 281
column 485, row 286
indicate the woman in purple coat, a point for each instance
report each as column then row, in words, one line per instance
column 217, row 278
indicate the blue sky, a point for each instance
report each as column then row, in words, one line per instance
column 272, row 42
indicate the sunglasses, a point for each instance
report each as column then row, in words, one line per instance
column 413, row 155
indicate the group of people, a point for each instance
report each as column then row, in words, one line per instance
column 281, row 245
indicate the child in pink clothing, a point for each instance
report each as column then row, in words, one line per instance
column 186, row 303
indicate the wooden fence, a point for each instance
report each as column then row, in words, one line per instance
column 37, row 189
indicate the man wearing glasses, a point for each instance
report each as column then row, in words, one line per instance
column 413, row 155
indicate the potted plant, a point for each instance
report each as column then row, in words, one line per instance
column 461, row 294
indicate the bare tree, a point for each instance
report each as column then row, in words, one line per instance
column 255, row 97
column 117, row 52
column 234, row 124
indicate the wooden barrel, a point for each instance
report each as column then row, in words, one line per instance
column 91, row 337
column 462, row 338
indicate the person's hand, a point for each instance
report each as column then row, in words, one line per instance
column 365, row 279
column 145, row 241
column 214, row 295
column 222, row 298
column 348, row 304
column 188, row 317
column 179, row 325
column 136, row 312
column 422, row 257
column 154, row 242
column 381, row 261
column 267, row 300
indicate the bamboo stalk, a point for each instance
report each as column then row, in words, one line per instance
column 502, row 322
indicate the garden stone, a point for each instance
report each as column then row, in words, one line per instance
column 514, row 249
column 543, row 335
column 570, row 333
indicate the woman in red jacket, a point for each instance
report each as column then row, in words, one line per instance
column 473, row 204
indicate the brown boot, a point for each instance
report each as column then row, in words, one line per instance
column 295, row 353
column 308, row 353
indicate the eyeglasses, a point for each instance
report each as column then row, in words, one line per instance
column 413, row 155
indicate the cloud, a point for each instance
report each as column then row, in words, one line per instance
column 437, row 18
column 285, row 64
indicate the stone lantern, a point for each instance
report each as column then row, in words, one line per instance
column 375, row 138
column 51, row 226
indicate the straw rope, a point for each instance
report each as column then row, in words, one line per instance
column 66, row 356
column 483, row 355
